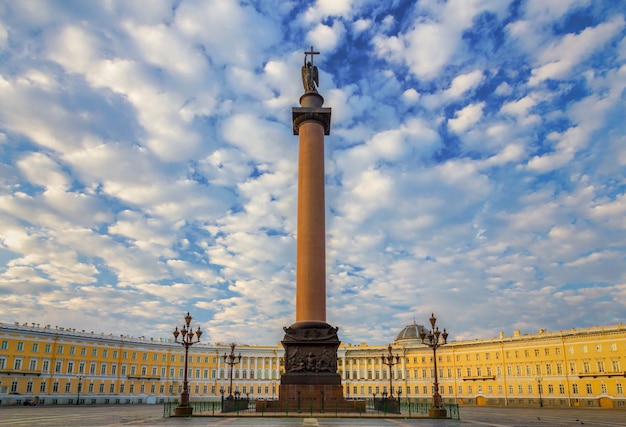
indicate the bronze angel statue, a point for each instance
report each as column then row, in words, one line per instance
column 310, row 77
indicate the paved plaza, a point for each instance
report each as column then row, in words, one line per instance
column 152, row 415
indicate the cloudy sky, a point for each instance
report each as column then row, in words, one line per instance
column 475, row 167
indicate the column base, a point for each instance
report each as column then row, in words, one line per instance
column 438, row 413
column 183, row 411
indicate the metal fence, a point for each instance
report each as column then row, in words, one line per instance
column 408, row 408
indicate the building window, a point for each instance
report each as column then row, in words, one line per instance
column 47, row 349
column 29, row 387
column 561, row 389
column 68, row 387
column 589, row 388
column 33, row 365
column 20, row 346
column 575, row 388
column 600, row 366
column 5, row 345
column 603, row 388
column 60, row 349
column 615, row 365
column 619, row 388
column 42, row 387
column 55, row 387
column 83, row 351
column 14, row 387
column 35, row 348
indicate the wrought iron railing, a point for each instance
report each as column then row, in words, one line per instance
column 244, row 407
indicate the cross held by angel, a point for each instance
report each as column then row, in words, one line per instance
column 310, row 75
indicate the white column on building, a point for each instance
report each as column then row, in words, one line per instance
column 219, row 362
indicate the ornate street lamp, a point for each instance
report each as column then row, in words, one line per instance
column 80, row 385
column 231, row 360
column 388, row 359
column 540, row 390
column 187, row 340
column 433, row 342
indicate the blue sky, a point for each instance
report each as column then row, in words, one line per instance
column 475, row 166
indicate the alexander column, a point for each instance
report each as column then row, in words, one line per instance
column 310, row 378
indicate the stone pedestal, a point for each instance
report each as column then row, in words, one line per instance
column 311, row 362
column 437, row 413
column 183, row 411
column 310, row 381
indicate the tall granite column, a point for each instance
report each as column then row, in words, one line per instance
column 311, row 122
column 310, row 380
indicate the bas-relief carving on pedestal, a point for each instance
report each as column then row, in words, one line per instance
column 311, row 349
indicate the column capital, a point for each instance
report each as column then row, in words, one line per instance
column 304, row 114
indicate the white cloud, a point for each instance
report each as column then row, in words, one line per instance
column 463, row 83
column 559, row 59
column 42, row 171
column 325, row 8
column 465, row 118
column 326, row 38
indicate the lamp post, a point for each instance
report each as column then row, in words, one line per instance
column 80, row 385
column 184, row 409
column 231, row 360
column 437, row 411
column 390, row 360
column 540, row 390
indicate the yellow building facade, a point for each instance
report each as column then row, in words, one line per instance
column 52, row 365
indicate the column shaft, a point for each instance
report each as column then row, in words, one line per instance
column 311, row 247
